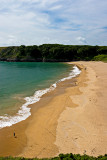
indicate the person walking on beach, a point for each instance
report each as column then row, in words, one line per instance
column 14, row 134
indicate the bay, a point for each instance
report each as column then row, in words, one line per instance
column 21, row 79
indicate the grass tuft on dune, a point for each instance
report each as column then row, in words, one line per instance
column 61, row 157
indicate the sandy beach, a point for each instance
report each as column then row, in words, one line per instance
column 70, row 119
column 84, row 128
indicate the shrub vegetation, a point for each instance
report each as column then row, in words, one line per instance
column 53, row 52
column 61, row 157
column 101, row 57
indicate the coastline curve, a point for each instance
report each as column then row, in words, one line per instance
column 24, row 112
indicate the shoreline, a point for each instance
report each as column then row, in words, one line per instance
column 59, row 115
column 84, row 129
column 21, row 142
column 24, row 111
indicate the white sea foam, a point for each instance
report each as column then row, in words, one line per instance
column 24, row 111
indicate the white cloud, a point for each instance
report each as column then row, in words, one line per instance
column 12, row 40
column 56, row 7
column 81, row 40
column 31, row 21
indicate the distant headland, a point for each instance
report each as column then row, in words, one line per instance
column 53, row 53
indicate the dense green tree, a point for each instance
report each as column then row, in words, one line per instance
column 53, row 52
column 33, row 51
column 102, row 50
column 22, row 50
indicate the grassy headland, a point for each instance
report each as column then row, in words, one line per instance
column 53, row 52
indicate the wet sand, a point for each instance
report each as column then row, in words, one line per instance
column 72, row 118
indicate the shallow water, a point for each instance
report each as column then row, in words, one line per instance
column 21, row 79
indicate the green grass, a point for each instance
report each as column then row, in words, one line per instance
column 61, row 157
column 102, row 57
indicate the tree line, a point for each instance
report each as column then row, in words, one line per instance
column 52, row 53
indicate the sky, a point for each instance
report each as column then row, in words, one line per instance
column 36, row 22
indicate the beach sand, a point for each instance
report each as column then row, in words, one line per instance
column 83, row 129
column 70, row 119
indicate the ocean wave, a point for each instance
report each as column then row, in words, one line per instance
column 24, row 111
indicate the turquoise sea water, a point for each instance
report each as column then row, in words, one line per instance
column 21, row 79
